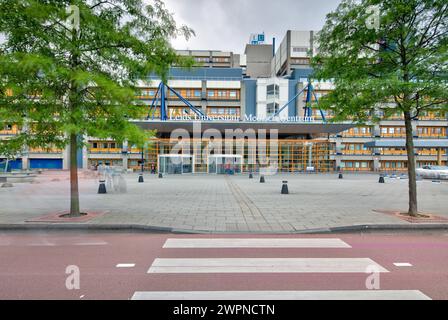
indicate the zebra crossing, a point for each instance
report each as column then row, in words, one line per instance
column 276, row 265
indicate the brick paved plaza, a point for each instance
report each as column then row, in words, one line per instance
column 214, row 203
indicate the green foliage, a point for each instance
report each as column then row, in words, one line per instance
column 401, row 64
column 68, row 82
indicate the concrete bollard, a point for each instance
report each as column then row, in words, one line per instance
column 285, row 187
column 102, row 187
column 160, row 175
column 341, row 176
column 140, row 178
column 381, row 179
column 262, row 180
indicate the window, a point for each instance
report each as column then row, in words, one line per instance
column 272, row 91
column 272, row 108
column 95, row 145
column 232, row 94
column 113, row 145
column 299, row 49
column 197, row 93
column 105, row 145
column 211, row 93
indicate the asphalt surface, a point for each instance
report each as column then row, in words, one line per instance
column 33, row 265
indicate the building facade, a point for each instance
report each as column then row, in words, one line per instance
column 255, row 93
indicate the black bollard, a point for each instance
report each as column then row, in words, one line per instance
column 102, row 187
column 381, row 179
column 262, row 179
column 341, row 176
column 285, row 187
column 251, row 176
column 140, row 178
column 160, row 175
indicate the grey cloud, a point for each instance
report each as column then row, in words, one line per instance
column 227, row 24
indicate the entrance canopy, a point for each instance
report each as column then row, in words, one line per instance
column 284, row 128
column 401, row 143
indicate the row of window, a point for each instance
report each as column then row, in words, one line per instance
column 223, row 111
column 366, row 165
column 105, row 145
column 424, row 115
column 223, row 94
column 393, row 131
column 300, row 61
column 196, row 94
column 358, row 132
column 359, row 148
column 211, row 60
column 384, row 165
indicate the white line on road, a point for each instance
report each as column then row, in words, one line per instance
column 96, row 243
column 402, row 264
column 255, row 243
column 263, row 265
column 282, row 295
column 125, row 265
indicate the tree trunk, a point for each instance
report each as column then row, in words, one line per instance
column 413, row 211
column 74, row 192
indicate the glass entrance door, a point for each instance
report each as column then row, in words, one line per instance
column 225, row 164
column 175, row 164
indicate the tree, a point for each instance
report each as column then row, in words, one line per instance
column 400, row 64
column 72, row 67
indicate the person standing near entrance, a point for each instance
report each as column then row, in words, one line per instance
column 227, row 167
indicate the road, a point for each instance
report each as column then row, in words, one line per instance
column 33, row 265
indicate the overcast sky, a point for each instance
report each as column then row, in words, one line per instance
column 227, row 24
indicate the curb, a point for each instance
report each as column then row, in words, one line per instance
column 143, row 228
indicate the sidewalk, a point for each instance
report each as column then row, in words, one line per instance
column 211, row 203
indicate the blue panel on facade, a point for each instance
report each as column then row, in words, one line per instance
column 12, row 164
column 45, row 163
column 298, row 74
column 79, row 158
column 251, row 97
column 292, row 90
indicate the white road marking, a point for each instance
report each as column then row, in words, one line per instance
column 125, row 265
column 282, row 295
column 41, row 244
column 94, row 243
column 263, row 265
column 402, row 264
column 255, row 243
